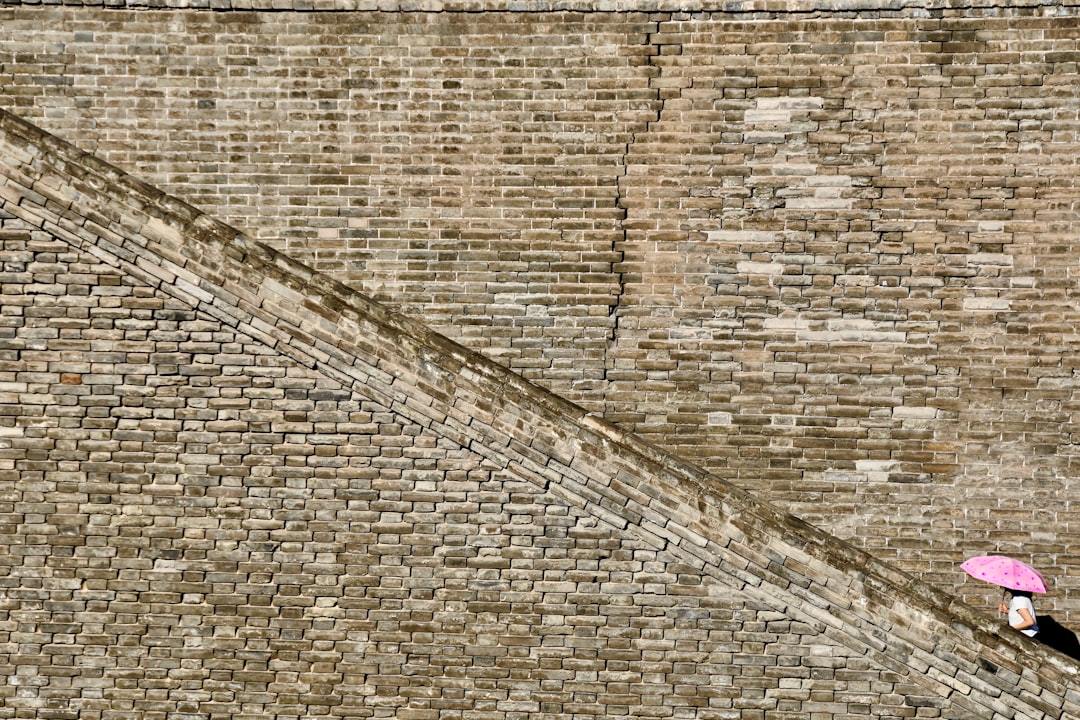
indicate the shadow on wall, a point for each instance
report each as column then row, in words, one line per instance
column 1059, row 637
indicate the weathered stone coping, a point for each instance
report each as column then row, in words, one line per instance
column 735, row 7
column 896, row 621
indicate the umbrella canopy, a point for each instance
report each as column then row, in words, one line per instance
column 1005, row 571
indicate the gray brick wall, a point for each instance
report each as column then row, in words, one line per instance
column 233, row 488
column 823, row 250
column 414, row 157
column 825, row 255
column 861, row 244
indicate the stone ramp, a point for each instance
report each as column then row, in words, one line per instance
column 405, row 529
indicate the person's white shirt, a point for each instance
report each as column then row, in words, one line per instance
column 1016, row 603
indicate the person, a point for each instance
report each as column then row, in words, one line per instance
column 1021, row 612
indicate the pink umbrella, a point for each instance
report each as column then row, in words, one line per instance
column 1006, row 572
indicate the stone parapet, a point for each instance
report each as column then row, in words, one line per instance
column 867, row 8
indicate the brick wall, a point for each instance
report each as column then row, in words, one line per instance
column 863, row 253
column 419, row 158
column 230, row 487
column 826, row 254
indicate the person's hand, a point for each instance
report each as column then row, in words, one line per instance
column 1003, row 607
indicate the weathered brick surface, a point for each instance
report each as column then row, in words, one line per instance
column 826, row 254
column 861, row 242
column 415, row 157
column 233, row 488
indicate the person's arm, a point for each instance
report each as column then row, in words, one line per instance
column 1026, row 619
